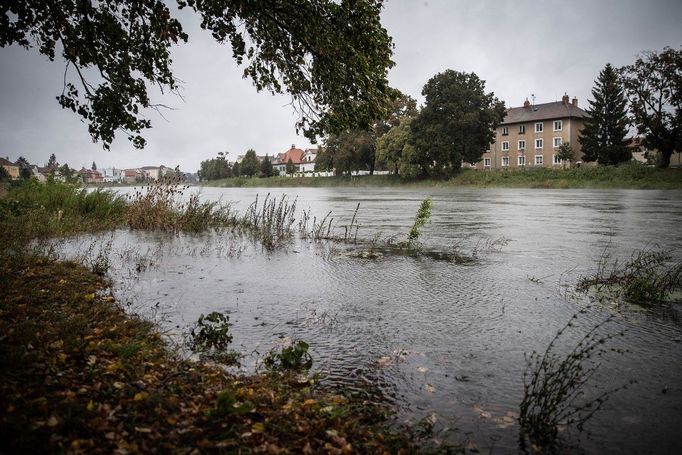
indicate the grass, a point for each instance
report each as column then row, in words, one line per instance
column 634, row 176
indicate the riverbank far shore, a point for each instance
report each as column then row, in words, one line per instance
column 625, row 177
column 79, row 374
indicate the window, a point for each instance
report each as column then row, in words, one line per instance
column 522, row 129
column 557, row 142
column 522, row 161
column 539, row 143
column 555, row 159
column 538, row 127
column 486, row 162
column 522, row 145
column 505, row 131
column 538, row 160
column 505, row 161
column 558, row 124
column 505, row 146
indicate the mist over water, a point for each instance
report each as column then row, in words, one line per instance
column 441, row 341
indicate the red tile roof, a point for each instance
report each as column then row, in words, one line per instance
column 295, row 154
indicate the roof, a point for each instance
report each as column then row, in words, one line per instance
column 4, row 162
column 295, row 154
column 546, row 111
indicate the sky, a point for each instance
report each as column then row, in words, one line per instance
column 520, row 48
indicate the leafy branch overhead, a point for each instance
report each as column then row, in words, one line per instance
column 331, row 57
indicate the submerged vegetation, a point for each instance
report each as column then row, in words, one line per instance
column 648, row 277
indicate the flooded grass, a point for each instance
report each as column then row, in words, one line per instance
column 646, row 278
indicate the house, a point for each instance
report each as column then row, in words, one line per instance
column 308, row 160
column 12, row 169
column 111, row 175
column 530, row 135
column 40, row 173
column 91, row 176
column 132, row 176
column 644, row 155
column 279, row 163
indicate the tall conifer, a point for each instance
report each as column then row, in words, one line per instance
column 603, row 138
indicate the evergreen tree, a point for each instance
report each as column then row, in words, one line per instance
column 249, row 165
column 52, row 162
column 603, row 138
column 236, row 170
column 290, row 167
column 266, row 167
column 94, row 166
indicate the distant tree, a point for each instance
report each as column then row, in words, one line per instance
column 403, row 106
column 290, row 168
column 347, row 152
column 4, row 175
column 456, row 124
column 52, row 162
column 566, row 154
column 249, row 165
column 236, row 170
column 266, row 167
column 390, row 146
column 603, row 137
column 215, row 168
column 653, row 85
column 332, row 57
column 94, row 166
column 66, row 171
column 24, row 168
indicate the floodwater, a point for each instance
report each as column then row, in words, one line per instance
column 443, row 342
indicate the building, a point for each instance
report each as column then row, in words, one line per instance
column 91, row 176
column 112, row 175
column 308, row 161
column 279, row 163
column 530, row 136
column 12, row 169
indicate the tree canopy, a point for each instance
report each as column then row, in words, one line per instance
column 456, row 124
column 603, row 137
column 331, row 57
column 249, row 165
column 653, row 85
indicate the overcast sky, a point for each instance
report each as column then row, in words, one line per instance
column 519, row 48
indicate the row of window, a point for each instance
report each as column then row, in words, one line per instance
column 539, row 128
column 539, row 161
column 539, row 144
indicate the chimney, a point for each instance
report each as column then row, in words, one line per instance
column 565, row 99
column 293, row 146
column 526, row 103
column 575, row 102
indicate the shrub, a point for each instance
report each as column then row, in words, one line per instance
column 210, row 333
column 294, row 357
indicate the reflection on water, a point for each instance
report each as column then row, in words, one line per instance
column 445, row 342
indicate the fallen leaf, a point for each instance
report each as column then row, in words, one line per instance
column 52, row 421
column 422, row 369
column 257, row 427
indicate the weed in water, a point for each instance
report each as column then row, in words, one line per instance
column 649, row 276
column 294, row 358
column 423, row 217
column 554, row 387
column 210, row 333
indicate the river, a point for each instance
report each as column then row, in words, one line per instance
column 443, row 342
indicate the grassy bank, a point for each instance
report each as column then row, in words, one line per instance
column 79, row 374
column 627, row 176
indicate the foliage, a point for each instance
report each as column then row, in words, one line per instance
column 215, row 168
column 290, row 168
column 347, row 152
column 649, row 276
column 391, row 146
column 554, row 387
column 266, row 169
column 94, row 166
column 52, row 161
column 4, row 175
column 294, row 357
column 423, row 216
column 272, row 223
column 331, row 57
column 653, row 85
column 210, row 333
column 249, row 165
column 566, row 153
column 603, row 138
column 456, row 124
column 402, row 107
